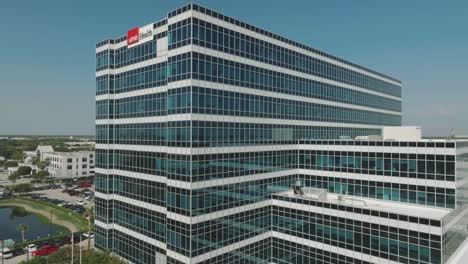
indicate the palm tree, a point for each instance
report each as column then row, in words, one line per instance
column 90, row 215
column 22, row 228
column 35, row 161
column 43, row 164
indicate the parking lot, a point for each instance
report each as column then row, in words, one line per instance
column 63, row 196
column 75, row 197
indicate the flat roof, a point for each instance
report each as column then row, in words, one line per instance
column 378, row 205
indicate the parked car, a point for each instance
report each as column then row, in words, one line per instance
column 79, row 210
column 73, row 193
column 18, row 251
column 31, row 248
column 35, row 196
column 86, row 234
column 6, row 253
column 45, row 250
column 80, row 202
column 85, row 185
column 75, row 238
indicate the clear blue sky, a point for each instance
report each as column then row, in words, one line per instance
column 47, row 62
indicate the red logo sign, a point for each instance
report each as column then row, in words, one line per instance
column 133, row 36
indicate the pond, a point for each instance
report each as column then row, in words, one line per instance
column 11, row 217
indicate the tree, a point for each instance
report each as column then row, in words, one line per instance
column 23, row 188
column 95, row 257
column 91, row 256
column 42, row 164
column 35, row 161
column 90, row 215
column 19, row 155
column 34, row 261
column 13, row 177
column 24, row 170
column 40, row 176
column 64, row 255
column 11, row 164
column 22, row 228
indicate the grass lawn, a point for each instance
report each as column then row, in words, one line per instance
column 58, row 212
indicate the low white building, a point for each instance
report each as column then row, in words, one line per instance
column 70, row 164
column 63, row 164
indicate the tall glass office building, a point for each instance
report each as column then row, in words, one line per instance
column 203, row 125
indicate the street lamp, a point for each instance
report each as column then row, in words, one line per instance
column 51, row 221
column 3, row 242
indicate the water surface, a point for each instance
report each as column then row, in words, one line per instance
column 11, row 218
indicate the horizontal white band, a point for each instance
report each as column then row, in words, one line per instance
column 379, row 178
column 147, row 91
column 232, row 119
column 133, row 66
column 132, row 233
column 131, row 174
column 123, row 199
column 379, row 149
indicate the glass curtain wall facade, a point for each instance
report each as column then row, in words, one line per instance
column 202, row 127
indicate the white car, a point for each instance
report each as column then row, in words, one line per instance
column 31, row 248
column 80, row 202
column 6, row 253
column 87, row 235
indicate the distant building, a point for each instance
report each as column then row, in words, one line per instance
column 63, row 164
column 70, row 164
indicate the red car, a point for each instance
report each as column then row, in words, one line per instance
column 85, row 185
column 45, row 250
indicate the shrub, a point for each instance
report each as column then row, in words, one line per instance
column 23, row 188
column 24, row 170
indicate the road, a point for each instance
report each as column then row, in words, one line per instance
column 18, row 259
